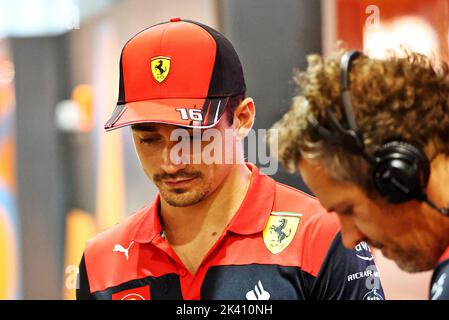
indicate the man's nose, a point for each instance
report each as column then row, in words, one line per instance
column 350, row 233
column 172, row 160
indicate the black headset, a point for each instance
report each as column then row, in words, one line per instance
column 399, row 170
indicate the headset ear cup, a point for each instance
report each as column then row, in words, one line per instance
column 401, row 172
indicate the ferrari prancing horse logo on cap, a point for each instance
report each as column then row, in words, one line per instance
column 160, row 67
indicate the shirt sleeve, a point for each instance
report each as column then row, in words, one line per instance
column 439, row 288
column 83, row 288
column 347, row 274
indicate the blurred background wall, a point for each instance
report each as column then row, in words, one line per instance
column 62, row 179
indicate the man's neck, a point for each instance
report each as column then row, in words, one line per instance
column 182, row 224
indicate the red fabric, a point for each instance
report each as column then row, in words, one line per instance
column 162, row 111
column 185, row 78
column 445, row 256
column 241, row 243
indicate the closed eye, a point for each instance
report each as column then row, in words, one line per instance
column 149, row 140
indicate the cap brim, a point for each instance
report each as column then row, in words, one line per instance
column 169, row 111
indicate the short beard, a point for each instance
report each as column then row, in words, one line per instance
column 184, row 198
column 413, row 261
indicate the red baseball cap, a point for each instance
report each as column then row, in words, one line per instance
column 177, row 72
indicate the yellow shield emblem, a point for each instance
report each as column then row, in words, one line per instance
column 160, row 68
column 280, row 230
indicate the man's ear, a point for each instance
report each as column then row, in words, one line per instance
column 244, row 116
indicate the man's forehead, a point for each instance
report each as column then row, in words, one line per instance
column 332, row 194
column 143, row 127
column 153, row 127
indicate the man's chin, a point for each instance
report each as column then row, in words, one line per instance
column 413, row 263
column 409, row 266
column 182, row 198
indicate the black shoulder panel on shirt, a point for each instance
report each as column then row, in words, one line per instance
column 348, row 274
column 256, row 282
column 82, row 288
column 439, row 286
column 166, row 287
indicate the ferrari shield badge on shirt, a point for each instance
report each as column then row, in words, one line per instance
column 160, row 67
column 280, row 230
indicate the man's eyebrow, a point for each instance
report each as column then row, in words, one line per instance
column 143, row 127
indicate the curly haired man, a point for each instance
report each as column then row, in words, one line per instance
column 370, row 138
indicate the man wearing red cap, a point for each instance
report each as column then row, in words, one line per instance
column 217, row 229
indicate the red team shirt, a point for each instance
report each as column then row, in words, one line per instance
column 280, row 244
